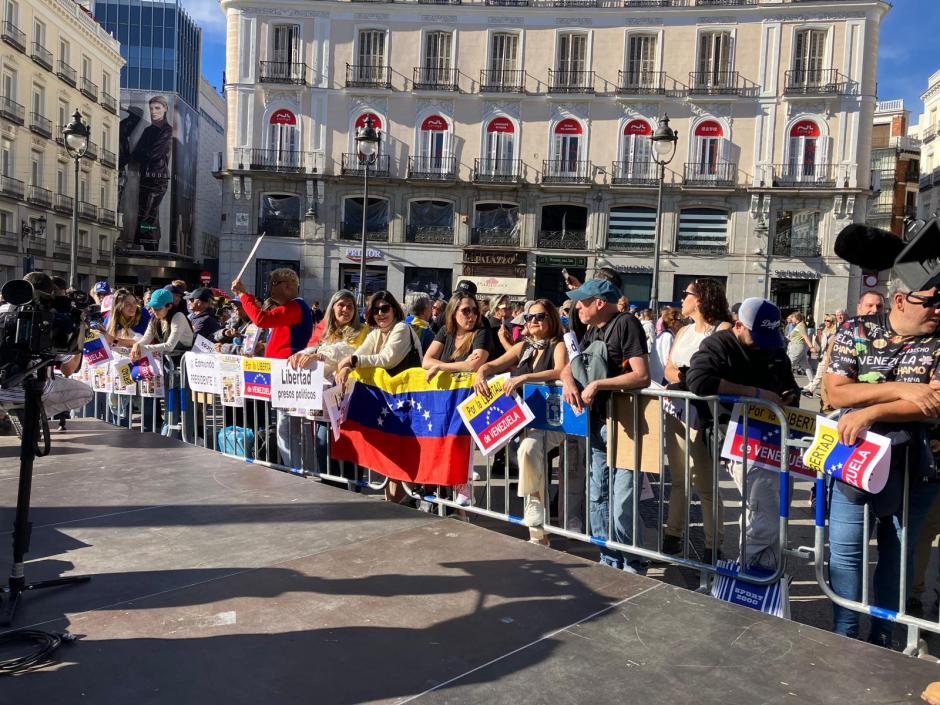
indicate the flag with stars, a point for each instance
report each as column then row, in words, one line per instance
column 496, row 419
column 256, row 378
column 763, row 439
column 407, row 428
column 865, row 465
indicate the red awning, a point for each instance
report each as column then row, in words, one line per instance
column 709, row 128
column 568, row 126
column 434, row 123
column 805, row 128
column 637, row 127
column 361, row 121
column 283, row 117
column 500, row 124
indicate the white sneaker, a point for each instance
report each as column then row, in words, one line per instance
column 475, row 477
column 534, row 514
column 464, row 494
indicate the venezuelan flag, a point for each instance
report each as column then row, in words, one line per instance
column 406, row 428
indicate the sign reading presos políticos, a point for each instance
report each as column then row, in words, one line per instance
column 496, row 419
column 296, row 389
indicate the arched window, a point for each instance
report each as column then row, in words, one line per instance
column 434, row 145
column 361, row 122
column 803, row 161
column 567, row 145
column 499, row 157
column 635, row 157
column 283, row 140
column 709, row 146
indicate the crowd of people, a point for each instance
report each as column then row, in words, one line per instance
column 880, row 368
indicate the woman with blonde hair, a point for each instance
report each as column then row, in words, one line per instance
column 126, row 321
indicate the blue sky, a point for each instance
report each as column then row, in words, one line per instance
column 906, row 57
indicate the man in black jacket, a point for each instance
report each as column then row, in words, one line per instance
column 749, row 360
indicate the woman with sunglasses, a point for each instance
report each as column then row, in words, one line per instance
column 539, row 357
column 704, row 302
column 499, row 319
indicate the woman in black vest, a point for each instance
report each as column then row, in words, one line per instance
column 538, row 358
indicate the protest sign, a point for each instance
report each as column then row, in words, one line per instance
column 145, row 367
column 203, row 346
column 296, row 389
column 230, row 374
column 336, row 404
column 256, row 375
column 865, row 465
column 495, row 420
column 101, row 378
column 202, row 373
column 552, row 413
column 95, row 350
column 763, row 438
column 250, row 341
column 122, row 379
column 152, row 387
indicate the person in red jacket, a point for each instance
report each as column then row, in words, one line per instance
column 291, row 323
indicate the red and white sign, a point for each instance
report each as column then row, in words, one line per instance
column 568, row 126
column 637, row 127
column 709, row 128
column 501, row 124
column 805, row 128
column 494, row 420
column 205, row 278
column 361, row 121
column 434, row 123
column 283, row 117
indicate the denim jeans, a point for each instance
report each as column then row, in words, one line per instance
column 599, row 507
column 846, row 540
column 289, row 440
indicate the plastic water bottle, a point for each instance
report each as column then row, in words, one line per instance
column 553, row 407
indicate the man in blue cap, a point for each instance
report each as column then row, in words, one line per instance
column 616, row 345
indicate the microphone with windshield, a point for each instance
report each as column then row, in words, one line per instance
column 914, row 259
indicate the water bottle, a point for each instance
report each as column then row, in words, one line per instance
column 553, row 407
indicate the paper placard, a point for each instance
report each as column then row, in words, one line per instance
column 250, row 341
column 101, row 378
column 571, row 345
column 336, row 405
column 865, row 465
column 95, row 351
column 256, row 378
column 203, row 346
column 152, row 387
column 495, row 420
column 763, row 442
column 230, row 376
column 296, row 389
column 122, row 378
column 202, row 373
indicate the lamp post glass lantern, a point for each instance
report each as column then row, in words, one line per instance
column 664, row 141
column 367, row 143
column 76, row 144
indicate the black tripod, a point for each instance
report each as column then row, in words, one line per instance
column 32, row 386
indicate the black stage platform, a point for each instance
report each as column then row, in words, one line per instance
column 216, row 581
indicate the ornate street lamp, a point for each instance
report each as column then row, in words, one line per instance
column 367, row 143
column 664, row 141
column 76, row 143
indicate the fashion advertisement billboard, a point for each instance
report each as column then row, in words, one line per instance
column 185, row 154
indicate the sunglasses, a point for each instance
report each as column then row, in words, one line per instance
column 383, row 309
column 538, row 317
column 686, row 293
column 925, row 301
column 468, row 311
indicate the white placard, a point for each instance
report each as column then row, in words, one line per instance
column 336, row 404
column 230, row 377
column 202, row 373
column 122, row 381
column 296, row 389
column 571, row 345
column 203, row 346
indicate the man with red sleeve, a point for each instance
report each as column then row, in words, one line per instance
column 291, row 324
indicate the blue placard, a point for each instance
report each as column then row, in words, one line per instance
column 554, row 416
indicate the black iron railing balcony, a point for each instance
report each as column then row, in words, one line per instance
column 11, row 110
column 39, row 195
column 279, row 226
column 495, row 237
column 12, row 187
column 277, row 160
column 41, row 56
column 91, row 151
column 575, row 3
column 497, row 171
column 352, row 165
column 88, row 211
column 715, row 83
column 40, row 125
column 502, row 81
column 631, row 243
column 66, row 73
column 635, row 174
column 439, row 2
column 566, row 171
column 430, row 234
column 63, row 203
column 710, row 174
column 929, row 133
column 692, row 246
column 89, row 89
column 641, row 82
column 353, row 231
column 784, row 246
column 816, row 82
column 13, row 36
column 652, row 3
column 368, row 76
column 508, row 3
column 570, row 81
column 804, row 175
column 433, row 168
column 428, row 78
column 294, row 72
column 108, row 102
column 562, row 240
column 108, row 158
column 107, row 216
column 724, row 3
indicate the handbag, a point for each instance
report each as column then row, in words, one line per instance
column 411, row 359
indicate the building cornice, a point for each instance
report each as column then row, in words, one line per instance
column 73, row 15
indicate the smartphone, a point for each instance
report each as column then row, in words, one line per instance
column 564, row 275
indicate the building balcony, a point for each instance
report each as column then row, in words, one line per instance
column 66, row 73
column 653, row 3
column 281, row 161
column 108, row 158
column 564, row 171
column 39, row 195
column 290, row 72
column 435, row 79
column 929, row 133
column 562, row 240
column 35, row 245
column 63, row 203
column 84, row 253
column 632, row 243
column 107, row 216
column 692, row 246
column 641, row 82
column 9, row 240
column 712, row 83
column 433, row 168
column 89, row 89
column 41, row 56
column 724, row 3
column 494, row 237
column 368, row 76
column 11, row 110
column 634, row 174
column 109, row 102
column 570, row 81
column 353, row 231
column 87, row 211
column 40, row 125
column 719, row 174
column 785, row 247
column 507, row 3
column 12, row 187
column 502, row 81
column 430, row 234
column 13, row 36
column 804, row 175
column 278, row 226
column 575, row 3
column 816, row 82
column 439, row 2
column 91, row 151
column 497, row 171
column 353, row 166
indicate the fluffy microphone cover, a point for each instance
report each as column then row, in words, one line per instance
column 868, row 248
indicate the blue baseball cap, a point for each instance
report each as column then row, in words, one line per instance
column 102, row 287
column 596, row 289
column 160, row 298
column 762, row 318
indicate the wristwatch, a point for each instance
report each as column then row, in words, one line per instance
column 355, row 361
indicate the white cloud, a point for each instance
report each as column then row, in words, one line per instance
column 207, row 14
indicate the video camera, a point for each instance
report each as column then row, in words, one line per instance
column 40, row 326
column 914, row 257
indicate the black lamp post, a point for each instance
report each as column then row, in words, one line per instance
column 367, row 143
column 76, row 143
column 664, row 141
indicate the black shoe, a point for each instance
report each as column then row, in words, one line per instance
column 672, row 545
column 707, row 558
